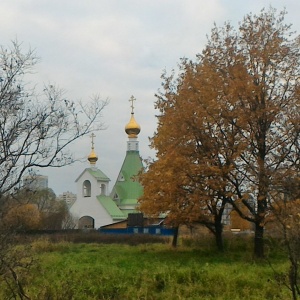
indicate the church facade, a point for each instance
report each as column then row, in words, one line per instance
column 95, row 206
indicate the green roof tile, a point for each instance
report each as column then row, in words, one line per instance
column 98, row 174
column 128, row 202
column 111, row 207
column 127, row 189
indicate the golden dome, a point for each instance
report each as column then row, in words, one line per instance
column 132, row 128
column 92, row 158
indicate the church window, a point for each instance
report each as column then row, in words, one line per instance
column 121, row 177
column 86, row 188
column 103, row 189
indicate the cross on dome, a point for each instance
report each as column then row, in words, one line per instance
column 131, row 100
column 92, row 137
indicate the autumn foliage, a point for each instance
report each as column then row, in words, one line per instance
column 23, row 217
column 228, row 127
column 32, row 210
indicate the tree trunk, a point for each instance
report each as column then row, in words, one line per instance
column 293, row 277
column 219, row 236
column 259, row 241
column 175, row 237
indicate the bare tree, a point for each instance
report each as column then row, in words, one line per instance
column 36, row 129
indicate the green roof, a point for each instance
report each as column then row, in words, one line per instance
column 128, row 201
column 111, row 207
column 98, row 174
column 126, row 187
column 129, row 211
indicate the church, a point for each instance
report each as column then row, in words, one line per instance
column 95, row 206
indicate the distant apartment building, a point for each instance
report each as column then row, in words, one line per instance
column 35, row 182
column 67, row 197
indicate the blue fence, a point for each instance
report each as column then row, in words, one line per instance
column 155, row 230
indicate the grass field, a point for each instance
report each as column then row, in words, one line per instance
column 151, row 271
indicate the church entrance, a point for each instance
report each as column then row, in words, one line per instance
column 86, row 222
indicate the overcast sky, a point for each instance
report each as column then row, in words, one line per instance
column 117, row 48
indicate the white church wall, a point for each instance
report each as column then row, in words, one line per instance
column 89, row 205
column 95, row 186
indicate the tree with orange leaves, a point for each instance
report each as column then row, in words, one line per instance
column 285, row 219
column 231, row 119
column 22, row 217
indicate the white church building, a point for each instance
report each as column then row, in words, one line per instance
column 95, row 206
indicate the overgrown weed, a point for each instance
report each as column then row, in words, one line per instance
column 151, row 271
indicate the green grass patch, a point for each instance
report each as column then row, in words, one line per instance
column 150, row 271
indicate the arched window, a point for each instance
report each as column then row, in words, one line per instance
column 86, row 188
column 103, row 189
column 86, row 222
